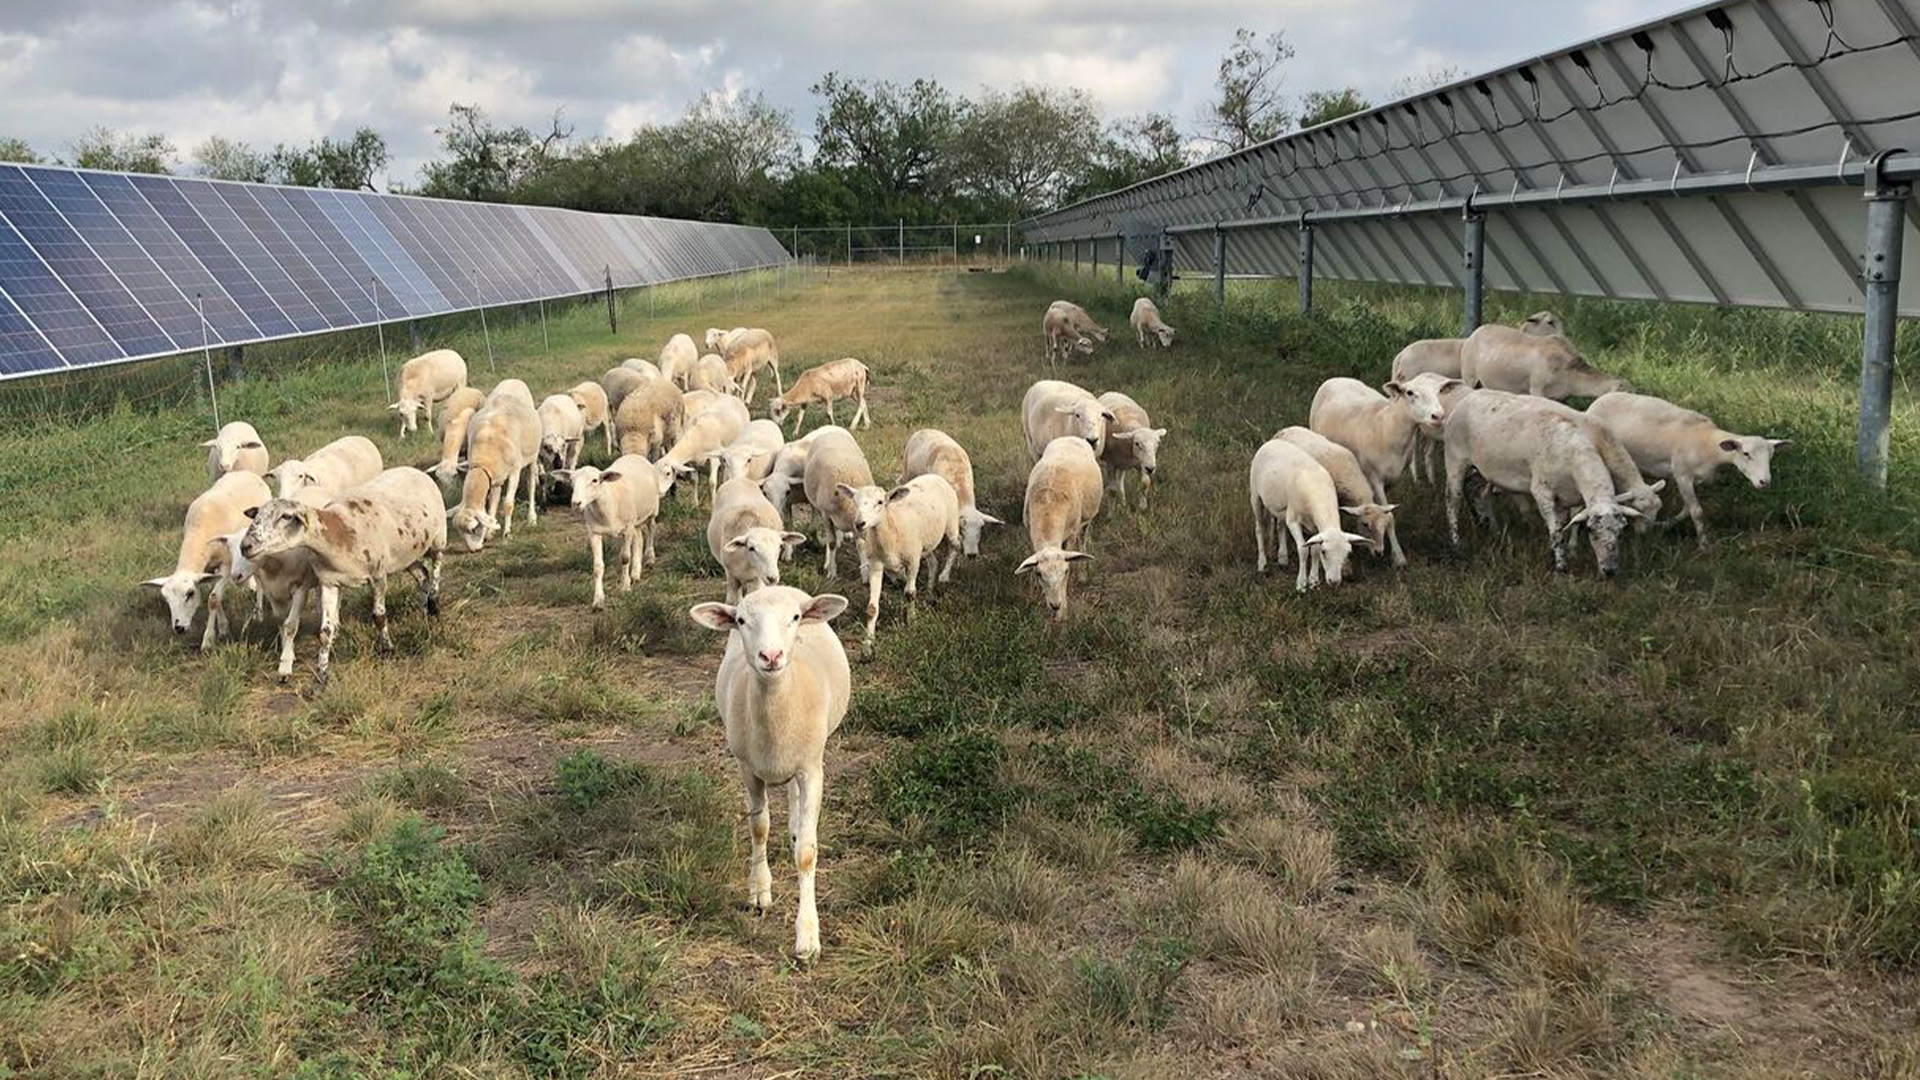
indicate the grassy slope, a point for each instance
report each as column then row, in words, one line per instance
column 1509, row 822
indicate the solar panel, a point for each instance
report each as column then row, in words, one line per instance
column 102, row 268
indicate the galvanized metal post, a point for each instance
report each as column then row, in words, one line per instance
column 903, row 241
column 1120, row 257
column 236, row 363
column 1219, row 266
column 1886, row 226
column 613, row 319
column 413, row 336
column 1306, row 265
column 1475, row 264
column 1163, row 275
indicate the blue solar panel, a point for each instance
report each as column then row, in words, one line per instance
column 150, row 287
column 111, row 307
column 185, row 202
column 205, row 273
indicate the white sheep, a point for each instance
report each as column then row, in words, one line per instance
column 788, row 471
column 747, row 351
column 1519, row 447
column 710, row 373
column 1052, row 408
column 425, row 379
column 1063, row 497
column 646, row 368
column 751, row 454
column 1378, row 428
column 649, row 417
column 1350, row 484
column 1133, row 445
column 932, row 452
column 1285, row 485
column 701, row 439
column 677, row 360
column 824, row 384
column 390, row 524
column 1683, row 446
column 783, row 687
column 454, row 417
column 283, row 581
column 503, row 442
column 619, row 382
column 343, row 463
column 1423, row 455
column 746, row 537
column 562, row 429
column 1147, row 325
column 1441, row 356
column 835, row 461
column 623, row 502
column 1504, row 358
column 595, row 412
column 197, row 570
column 901, row 528
column 1063, row 332
column 236, row 449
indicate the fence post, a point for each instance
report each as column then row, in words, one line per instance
column 956, row 244
column 849, row 245
column 1163, row 273
column 1306, row 265
column 1219, row 266
column 903, row 241
column 1076, row 256
column 413, row 336
column 1475, row 265
column 236, row 363
column 1120, row 258
column 613, row 320
column 1886, row 217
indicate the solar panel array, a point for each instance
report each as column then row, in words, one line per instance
column 104, row 268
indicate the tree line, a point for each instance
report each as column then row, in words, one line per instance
column 879, row 151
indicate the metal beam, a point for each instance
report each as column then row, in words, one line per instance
column 1552, row 215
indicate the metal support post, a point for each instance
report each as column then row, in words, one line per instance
column 613, row 319
column 1306, row 265
column 1886, row 217
column 1219, row 267
column 236, row 363
column 1120, row 257
column 1474, row 261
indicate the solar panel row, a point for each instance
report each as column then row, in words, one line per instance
column 102, row 268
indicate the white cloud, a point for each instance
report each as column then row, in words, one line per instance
column 1120, row 83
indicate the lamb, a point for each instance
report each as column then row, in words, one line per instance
column 621, row 381
column 648, row 418
column 1053, row 408
column 622, row 502
column 900, row 528
column 196, row 576
column 1548, row 454
column 454, row 417
column 643, row 367
column 1350, row 483
column 236, row 449
column 595, row 411
column 282, row 580
column 1147, row 325
column 677, row 359
column 751, row 454
column 1063, row 497
column 1378, row 429
column 1133, row 443
column 717, row 338
column 782, row 689
column 823, row 385
column 1426, row 439
column 747, row 351
column 746, row 537
column 788, row 471
column 1683, row 446
column 335, row 467
column 1285, row 484
column 562, row 429
column 835, row 461
column 389, row 524
column 1503, row 358
column 710, row 373
column 931, row 452
column 503, row 441
column 425, row 379
column 1063, row 336
column 1441, row 356
column 700, row 441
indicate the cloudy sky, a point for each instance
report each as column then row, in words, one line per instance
column 268, row 71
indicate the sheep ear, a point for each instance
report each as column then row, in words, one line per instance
column 1779, row 442
column 1159, row 433
column 735, row 544
column 208, row 578
column 824, row 608
column 395, row 407
column 251, row 512
column 565, row 476
column 989, row 519
column 1354, row 510
column 900, row 492
column 1730, row 445
column 1031, row 562
column 714, row 616
column 1120, row 436
column 1392, row 389
column 793, row 539
column 1076, row 556
column 1353, row 538
column 1068, row 409
column 845, row 489
column 1575, row 519
column 610, row 475
column 211, row 443
column 253, row 444
column 1630, row 511
column 1389, row 507
column 1658, row 486
column 1450, row 384
column 155, row 583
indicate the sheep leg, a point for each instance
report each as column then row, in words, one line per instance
column 799, row 418
column 1304, row 576
column 533, row 486
column 1688, row 497
column 829, row 545
column 1556, row 535
column 913, row 584
column 258, row 611
column 629, row 557
column 510, row 492
column 216, row 611
column 594, row 544
column 803, row 815
column 652, row 525
column 290, row 629
column 384, row 640
column 953, row 556
column 1260, row 534
column 759, row 876
column 830, row 418
column 1393, row 526
column 329, row 623
column 778, row 387
column 876, row 574
column 861, row 413
column 1456, row 481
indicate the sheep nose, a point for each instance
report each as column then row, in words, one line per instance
column 1763, row 484
column 1608, row 571
column 771, row 657
column 179, row 628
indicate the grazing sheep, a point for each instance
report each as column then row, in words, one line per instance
column 1543, row 324
column 642, row 367
column 823, row 385
column 622, row 502
column 595, row 411
column 425, row 379
column 1683, row 446
column 1629, row 486
column 1378, row 429
column 1285, row 484
column 1133, row 443
column 835, row 461
column 392, row 523
column 1520, row 447
column 751, row 454
column 282, row 581
column 900, row 528
column 747, row 351
column 621, row 381
column 1079, row 321
column 196, row 576
column 1503, row 358
column 782, row 689
column 455, row 415
column 1426, row 439
column 1063, row 497
column 932, row 452
column 1063, row 333
column 701, row 439
column 1441, row 356
column 343, row 463
column 710, row 373
column 1147, row 325
column 503, row 441
column 649, row 417
column 236, row 449
column 677, row 360
column 788, row 471
column 716, row 338
column 1350, row 484
column 746, row 537
column 562, row 429
column 1053, row 408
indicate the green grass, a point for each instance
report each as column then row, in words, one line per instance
column 1510, row 823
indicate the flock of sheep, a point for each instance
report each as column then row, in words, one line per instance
column 341, row 519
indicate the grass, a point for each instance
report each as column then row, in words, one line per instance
column 1470, row 819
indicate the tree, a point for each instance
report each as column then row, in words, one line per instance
column 349, row 164
column 226, row 159
column 17, row 151
column 1135, row 149
column 1022, row 150
column 104, row 148
column 1320, row 106
column 1249, row 108
column 487, row 162
column 891, row 142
